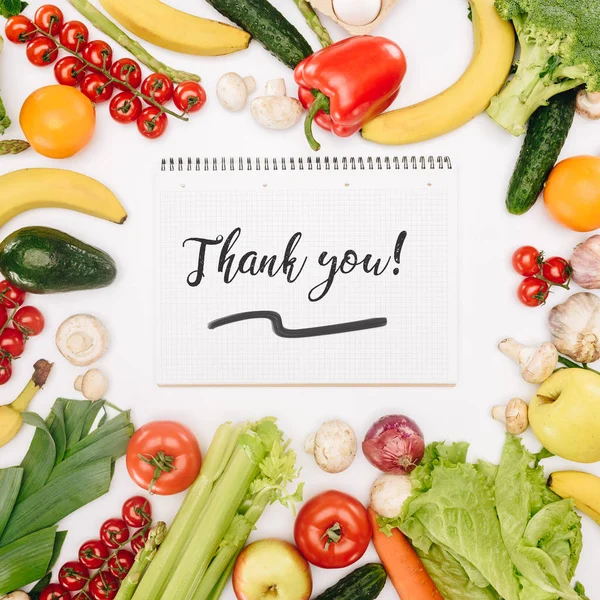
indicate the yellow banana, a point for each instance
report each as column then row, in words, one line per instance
column 173, row 29
column 11, row 418
column 56, row 188
column 584, row 488
column 468, row 97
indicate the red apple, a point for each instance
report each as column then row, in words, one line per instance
column 271, row 569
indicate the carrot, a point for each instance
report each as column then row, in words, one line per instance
column 404, row 567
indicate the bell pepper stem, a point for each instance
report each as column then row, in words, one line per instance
column 321, row 103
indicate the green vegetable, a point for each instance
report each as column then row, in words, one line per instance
column 366, row 583
column 6, row 6
column 560, row 50
column 546, row 134
column 268, row 26
column 10, row 8
column 11, row 146
column 314, row 22
column 45, row 261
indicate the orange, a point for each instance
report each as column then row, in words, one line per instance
column 58, row 121
column 572, row 193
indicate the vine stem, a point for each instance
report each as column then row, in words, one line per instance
column 314, row 22
column 573, row 365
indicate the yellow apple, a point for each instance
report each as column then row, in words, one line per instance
column 271, row 569
column 565, row 414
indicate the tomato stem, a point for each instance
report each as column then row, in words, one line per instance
column 333, row 535
column 162, row 463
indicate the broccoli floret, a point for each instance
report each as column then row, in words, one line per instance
column 560, row 50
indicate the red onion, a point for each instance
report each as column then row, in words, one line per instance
column 394, row 444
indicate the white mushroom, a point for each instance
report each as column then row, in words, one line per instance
column 82, row 340
column 275, row 110
column 233, row 90
column 514, row 415
column 92, row 385
column 333, row 446
column 18, row 595
column 389, row 493
column 588, row 104
column 537, row 363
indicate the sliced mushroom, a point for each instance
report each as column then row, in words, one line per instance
column 588, row 104
column 92, row 385
column 275, row 110
column 514, row 415
column 82, row 340
column 233, row 91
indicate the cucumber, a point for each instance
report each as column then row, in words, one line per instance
column 546, row 134
column 365, row 583
column 41, row 260
column 268, row 26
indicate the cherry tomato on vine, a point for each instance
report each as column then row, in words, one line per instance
column 126, row 69
column 73, row 576
column 29, row 320
column 49, row 18
column 99, row 53
column 527, row 261
column 137, row 511
column 41, row 52
column 533, row 291
column 69, row 71
column 3, row 316
column 125, row 107
column 12, row 342
column 114, row 533
column 103, row 586
column 189, row 97
column 10, row 295
column 19, row 29
column 93, row 553
column 54, row 591
column 74, row 35
column 97, row 87
column 557, row 270
column 120, row 564
column 159, row 87
column 138, row 540
column 5, row 370
column 152, row 123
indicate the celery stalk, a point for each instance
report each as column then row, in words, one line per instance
column 218, row 590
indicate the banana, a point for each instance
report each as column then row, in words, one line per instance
column 468, row 97
column 584, row 488
column 173, row 29
column 56, row 188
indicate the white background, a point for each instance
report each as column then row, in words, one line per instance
column 437, row 39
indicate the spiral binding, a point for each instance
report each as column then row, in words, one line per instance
column 317, row 163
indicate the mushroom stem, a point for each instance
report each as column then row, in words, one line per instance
column 514, row 415
column 250, row 84
column 499, row 413
column 511, row 348
column 309, row 444
column 79, row 383
column 588, row 104
column 276, row 87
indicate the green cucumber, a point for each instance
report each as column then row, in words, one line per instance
column 41, row 260
column 366, row 583
column 268, row 26
column 546, row 134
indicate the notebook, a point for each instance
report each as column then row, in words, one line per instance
column 306, row 271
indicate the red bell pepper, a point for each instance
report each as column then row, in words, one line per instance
column 349, row 83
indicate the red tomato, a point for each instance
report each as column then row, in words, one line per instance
column 41, row 52
column 189, row 97
column 10, row 295
column 126, row 69
column 159, row 87
column 3, row 316
column 137, row 511
column 12, row 342
column 138, row 540
column 557, row 271
column 114, row 533
column 29, row 320
column 103, row 586
column 120, row 564
column 69, row 71
column 152, row 123
column 5, row 370
column 93, row 553
column 74, row 35
column 97, row 87
column 49, row 18
column 98, row 53
column 73, row 576
column 533, row 291
column 54, row 591
column 332, row 530
column 19, row 29
column 125, row 107
column 163, row 457
column 527, row 261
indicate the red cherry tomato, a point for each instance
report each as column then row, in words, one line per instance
column 5, row 370
column 527, row 261
column 120, row 564
column 189, row 97
column 533, row 291
column 19, row 29
column 114, row 533
column 10, row 295
column 137, row 511
column 3, row 316
column 29, row 320
column 54, row 591
column 152, row 123
column 126, row 69
column 159, row 87
column 138, row 540
column 69, row 71
column 98, row 53
column 73, row 576
column 49, row 18
column 103, row 586
column 93, row 553
column 74, row 35
column 41, row 52
column 12, row 342
column 557, row 270
column 97, row 87
column 125, row 107
column 332, row 530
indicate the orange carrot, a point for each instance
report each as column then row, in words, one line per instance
column 403, row 566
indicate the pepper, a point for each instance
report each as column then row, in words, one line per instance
column 349, row 83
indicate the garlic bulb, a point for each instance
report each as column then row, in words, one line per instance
column 586, row 263
column 575, row 327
